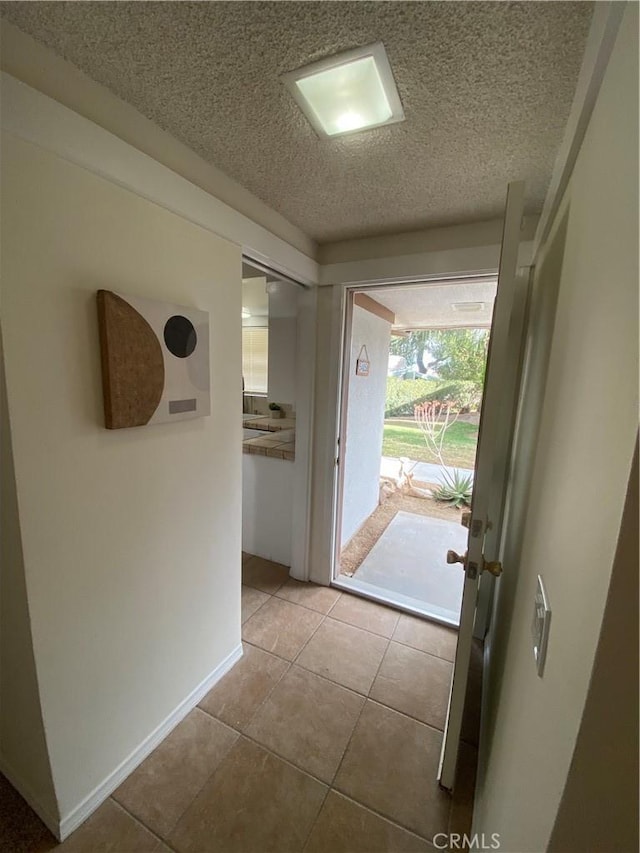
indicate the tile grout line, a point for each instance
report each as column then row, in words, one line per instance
column 381, row 815
column 386, row 817
column 329, row 787
column 370, row 808
column 142, row 823
column 304, row 645
column 287, row 600
column 422, row 651
column 408, row 716
column 242, row 734
column 268, row 696
column 259, row 607
column 282, row 758
column 367, row 695
column 366, row 698
column 316, row 819
column 345, row 622
column 304, row 606
column 201, row 788
column 344, row 686
column 364, row 704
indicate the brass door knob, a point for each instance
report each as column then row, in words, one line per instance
column 494, row 567
column 454, row 557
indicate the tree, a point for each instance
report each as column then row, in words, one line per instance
column 458, row 354
column 412, row 347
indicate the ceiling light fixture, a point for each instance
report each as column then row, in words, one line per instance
column 349, row 92
column 467, row 306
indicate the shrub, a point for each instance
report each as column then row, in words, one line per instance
column 456, row 488
column 404, row 394
column 463, row 396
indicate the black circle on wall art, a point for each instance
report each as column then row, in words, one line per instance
column 180, row 336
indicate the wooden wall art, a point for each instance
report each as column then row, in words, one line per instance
column 155, row 361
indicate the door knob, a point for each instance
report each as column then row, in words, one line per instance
column 454, row 557
column 494, row 567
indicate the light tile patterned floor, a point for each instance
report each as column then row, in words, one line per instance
column 324, row 738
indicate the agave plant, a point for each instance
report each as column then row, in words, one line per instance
column 455, row 488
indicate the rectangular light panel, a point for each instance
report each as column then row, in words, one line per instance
column 347, row 93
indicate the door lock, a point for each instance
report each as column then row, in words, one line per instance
column 454, row 557
column 494, row 567
column 476, row 526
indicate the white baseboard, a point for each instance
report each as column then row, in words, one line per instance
column 81, row 812
column 51, row 821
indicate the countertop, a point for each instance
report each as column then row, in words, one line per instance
column 275, row 437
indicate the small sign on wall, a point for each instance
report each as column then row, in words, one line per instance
column 362, row 362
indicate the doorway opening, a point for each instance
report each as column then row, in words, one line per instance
column 413, row 371
column 278, row 342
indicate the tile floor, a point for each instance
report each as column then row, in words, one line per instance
column 324, row 738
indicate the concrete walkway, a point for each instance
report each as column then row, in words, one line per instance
column 426, row 472
column 410, row 560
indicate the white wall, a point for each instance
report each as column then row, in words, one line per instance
column 588, row 423
column 22, row 736
column 267, row 507
column 131, row 538
column 362, row 444
column 589, row 817
column 282, row 360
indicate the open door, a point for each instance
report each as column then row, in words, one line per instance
column 492, row 460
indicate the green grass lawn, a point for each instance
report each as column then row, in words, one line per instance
column 406, row 439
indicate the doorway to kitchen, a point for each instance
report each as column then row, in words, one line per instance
column 414, row 359
column 278, row 345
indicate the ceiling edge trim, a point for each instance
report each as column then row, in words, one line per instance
column 32, row 116
column 420, row 267
column 447, row 237
column 26, row 59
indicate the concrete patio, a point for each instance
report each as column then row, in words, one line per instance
column 409, row 560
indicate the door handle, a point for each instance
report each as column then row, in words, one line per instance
column 454, row 557
column 494, row 567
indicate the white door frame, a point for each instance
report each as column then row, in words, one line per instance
column 304, row 402
column 342, row 396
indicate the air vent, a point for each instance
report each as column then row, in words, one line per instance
column 468, row 307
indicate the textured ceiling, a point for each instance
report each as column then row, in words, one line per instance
column 431, row 306
column 486, row 89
